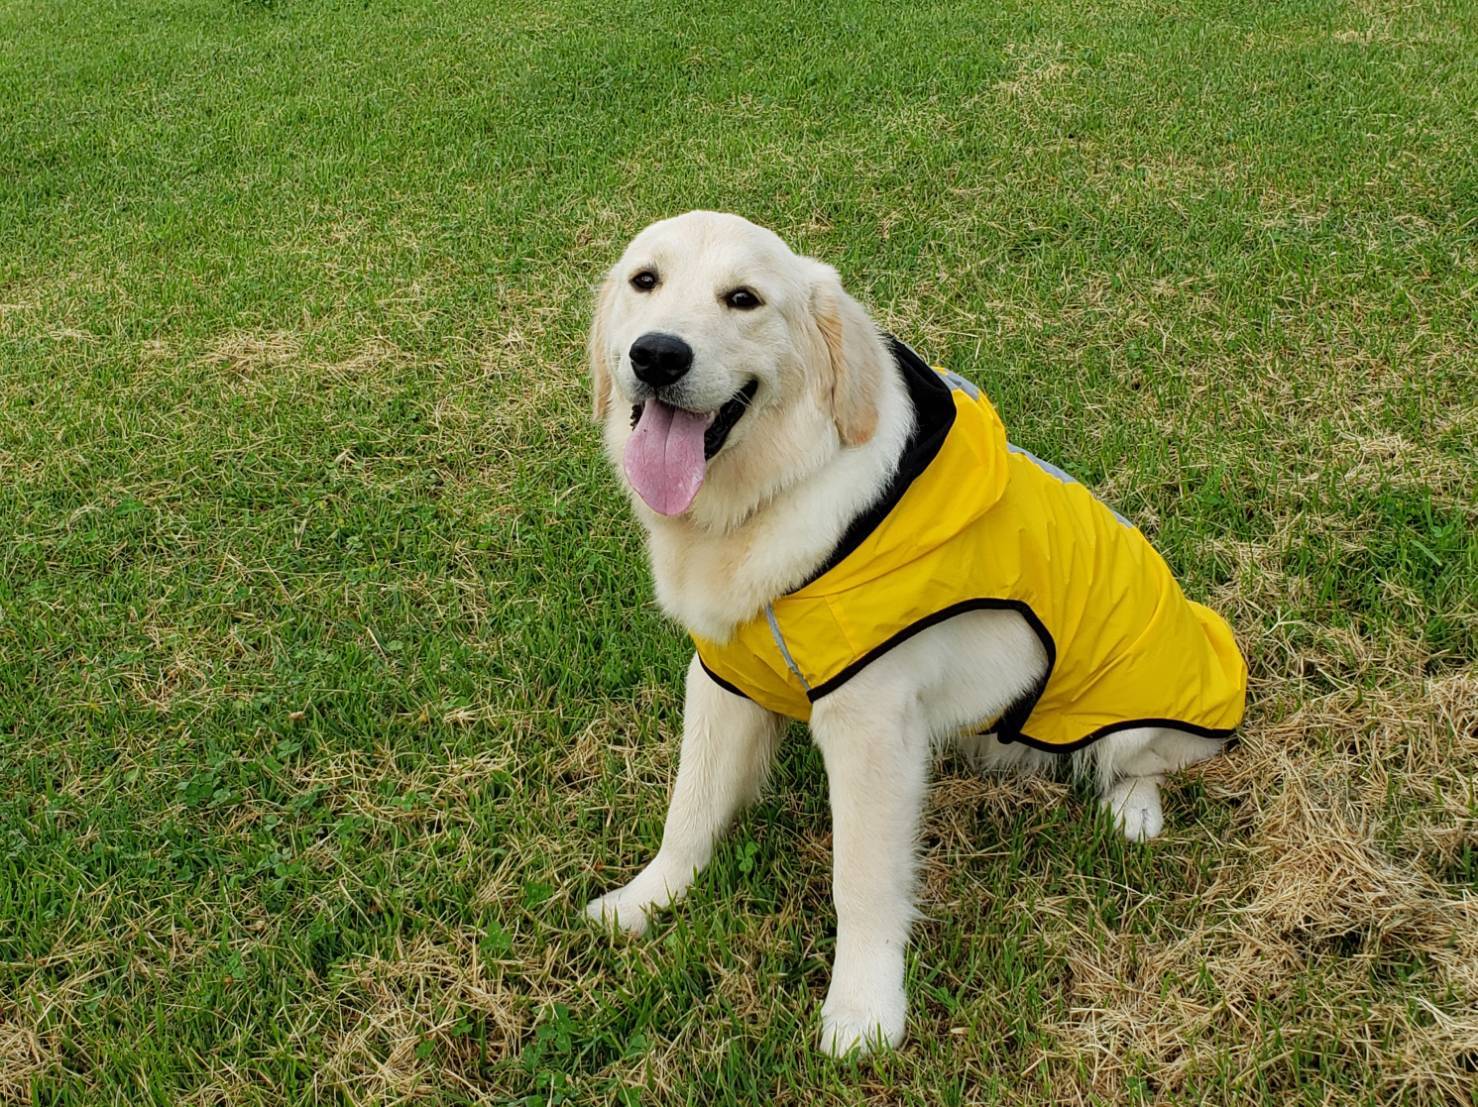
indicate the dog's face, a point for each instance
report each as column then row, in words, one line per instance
column 720, row 360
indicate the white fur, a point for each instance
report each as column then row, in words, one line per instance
column 775, row 502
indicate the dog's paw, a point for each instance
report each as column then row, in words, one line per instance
column 857, row 1024
column 622, row 910
column 1134, row 803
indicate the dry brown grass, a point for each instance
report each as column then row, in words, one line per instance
column 1351, row 803
column 400, row 1021
column 24, row 1055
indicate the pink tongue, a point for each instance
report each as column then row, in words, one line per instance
column 664, row 457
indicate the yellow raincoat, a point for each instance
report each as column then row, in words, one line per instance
column 974, row 523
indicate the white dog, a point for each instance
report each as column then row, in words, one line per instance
column 848, row 538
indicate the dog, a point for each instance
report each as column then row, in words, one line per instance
column 849, row 539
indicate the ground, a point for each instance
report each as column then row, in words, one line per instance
column 331, row 686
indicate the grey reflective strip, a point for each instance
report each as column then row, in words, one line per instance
column 1047, row 466
column 960, row 384
column 780, row 644
column 1066, row 478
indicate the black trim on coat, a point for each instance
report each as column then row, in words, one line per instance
column 1008, row 727
column 720, row 681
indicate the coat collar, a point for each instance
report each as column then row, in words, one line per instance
column 951, row 468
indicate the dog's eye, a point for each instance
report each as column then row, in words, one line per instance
column 741, row 299
column 644, row 281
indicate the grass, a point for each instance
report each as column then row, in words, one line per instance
column 330, row 682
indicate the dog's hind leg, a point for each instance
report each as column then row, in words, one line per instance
column 1129, row 767
column 1134, row 805
column 727, row 750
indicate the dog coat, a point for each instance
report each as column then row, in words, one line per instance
column 973, row 523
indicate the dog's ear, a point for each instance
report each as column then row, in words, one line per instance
column 857, row 354
column 598, row 347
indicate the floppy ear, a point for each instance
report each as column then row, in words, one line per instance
column 598, row 347
column 858, row 357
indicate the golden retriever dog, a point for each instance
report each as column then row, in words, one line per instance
column 797, row 473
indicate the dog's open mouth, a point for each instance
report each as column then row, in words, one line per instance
column 669, row 449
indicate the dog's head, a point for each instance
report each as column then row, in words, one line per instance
column 722, row 361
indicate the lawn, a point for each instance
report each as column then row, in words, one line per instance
column 331, row 686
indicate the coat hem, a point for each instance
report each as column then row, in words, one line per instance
column 1008, row 729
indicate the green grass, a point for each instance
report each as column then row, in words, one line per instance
column 330, row 682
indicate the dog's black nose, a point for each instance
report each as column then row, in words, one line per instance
column 659, row 359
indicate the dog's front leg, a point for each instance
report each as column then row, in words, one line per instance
column 876, row 751
column 728, row 747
